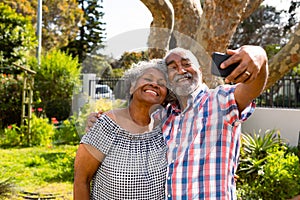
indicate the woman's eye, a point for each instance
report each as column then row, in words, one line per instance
column 162, row 84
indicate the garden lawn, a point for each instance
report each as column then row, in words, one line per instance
column 39, row 169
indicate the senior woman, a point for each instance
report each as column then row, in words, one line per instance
column 123, row 155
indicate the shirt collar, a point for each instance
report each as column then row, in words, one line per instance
column 201, row 89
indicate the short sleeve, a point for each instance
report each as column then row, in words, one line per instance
column 229, row 106
column 101, row 135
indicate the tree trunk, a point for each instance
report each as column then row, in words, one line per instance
column 161, row 26
column 208, row 29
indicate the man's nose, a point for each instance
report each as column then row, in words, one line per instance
column 181, row 70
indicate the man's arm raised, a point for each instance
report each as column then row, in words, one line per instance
column 251, row 75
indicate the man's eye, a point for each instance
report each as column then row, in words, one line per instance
column 172, row 67
column 187, row 64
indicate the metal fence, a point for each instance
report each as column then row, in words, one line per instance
column 284, row 94
column 115, row 84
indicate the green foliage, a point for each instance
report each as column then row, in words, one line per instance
column 95, row 106
column 266, row 20
column 11, row 136
column 266, row 169
column 118, row 73
column 57, row 78
column 98, row 65
column 281, row 178
column 17, row 36
column 272, row 49
column 10, row 99
column 128, row 58
column 41, row 132
column 255, row 149
column 58, row 108
column 60, row 19
column 296, row 70
column 46, row 133
column 91, row 32
column 67, row 132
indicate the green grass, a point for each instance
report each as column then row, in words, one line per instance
column 39, row 169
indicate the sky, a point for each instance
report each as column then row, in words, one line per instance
column 125, row 15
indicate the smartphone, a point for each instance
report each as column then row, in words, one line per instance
column 217, row 59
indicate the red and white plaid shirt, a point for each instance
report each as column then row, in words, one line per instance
column 203, row 145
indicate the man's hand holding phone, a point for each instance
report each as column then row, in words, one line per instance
column 237, row 66
column 217, row 60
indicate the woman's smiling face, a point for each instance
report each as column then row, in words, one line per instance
column 150, row 87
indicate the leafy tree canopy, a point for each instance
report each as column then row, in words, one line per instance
column 60, row 19
column 17, row 37
column 266, row 26
column 91, row 32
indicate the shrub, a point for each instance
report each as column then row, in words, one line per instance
column 41, row 134
column 11, row 136
column 10, row 100
column 279, row 178
column 67, row 133
column 255, row 148
column 57, row 78
column 267, row 170
column 58, row 108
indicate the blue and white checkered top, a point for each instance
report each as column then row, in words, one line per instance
column 134, row 166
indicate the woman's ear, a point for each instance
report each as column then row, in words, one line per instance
column 132, row 88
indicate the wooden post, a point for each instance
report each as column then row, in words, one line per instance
column 27, row 99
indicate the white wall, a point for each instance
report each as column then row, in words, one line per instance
column 287, row 121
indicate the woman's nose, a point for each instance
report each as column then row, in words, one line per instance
column 154, row 84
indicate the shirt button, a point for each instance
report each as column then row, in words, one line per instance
column 176, row 145
column 173, row 161
column 169, row 195
column 169, row 177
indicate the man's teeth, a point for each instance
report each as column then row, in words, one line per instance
column 151, row 91
column 183, row 79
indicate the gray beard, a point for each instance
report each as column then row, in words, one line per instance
column 184, row 90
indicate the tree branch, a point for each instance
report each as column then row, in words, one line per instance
column 286, row 59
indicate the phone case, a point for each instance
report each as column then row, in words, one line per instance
column 217, row 59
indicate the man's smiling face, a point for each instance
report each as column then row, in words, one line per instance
column 184, row 77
